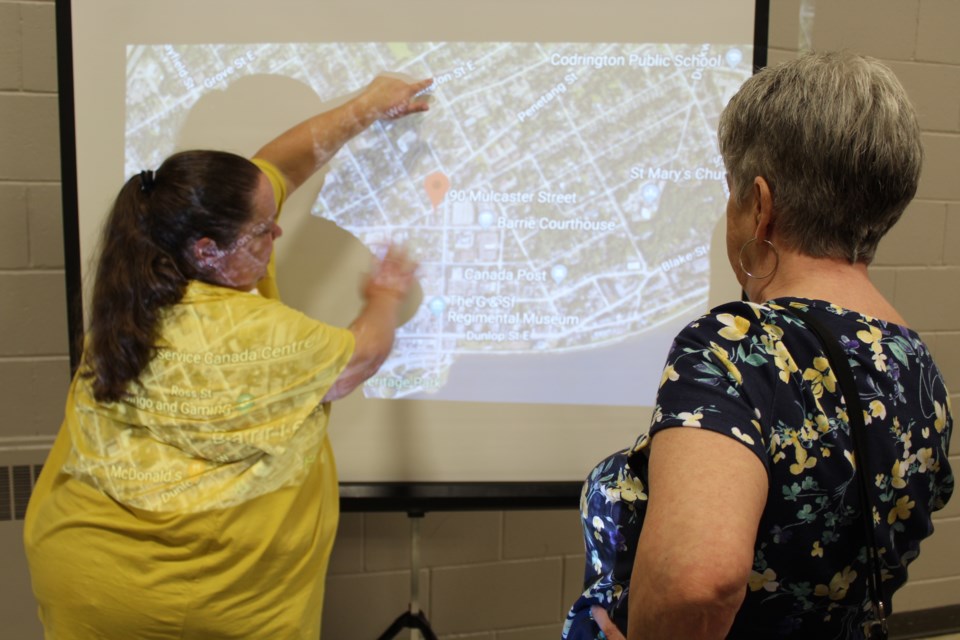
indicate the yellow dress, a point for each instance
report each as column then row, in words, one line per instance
column 205, row 505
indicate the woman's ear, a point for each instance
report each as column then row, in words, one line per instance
column 763, row 208
column 205, row 250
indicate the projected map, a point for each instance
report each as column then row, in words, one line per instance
column 559, row 197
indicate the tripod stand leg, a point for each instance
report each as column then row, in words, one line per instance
column 414, row 618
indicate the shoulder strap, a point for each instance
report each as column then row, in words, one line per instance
column 844, row 374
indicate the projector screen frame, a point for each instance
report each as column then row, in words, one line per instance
column 356, row 496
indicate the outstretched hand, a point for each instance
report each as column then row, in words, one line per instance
column 390, row 98
column 392, row 276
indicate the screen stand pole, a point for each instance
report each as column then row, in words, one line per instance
column 413, row 618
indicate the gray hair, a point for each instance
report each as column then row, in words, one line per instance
column 837, row 140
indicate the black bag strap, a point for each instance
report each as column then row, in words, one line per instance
column 841, row 368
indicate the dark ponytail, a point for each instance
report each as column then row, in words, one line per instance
column 146, row 259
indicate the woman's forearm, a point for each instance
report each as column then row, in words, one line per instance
column 302, row 150
column 373, row 330
column 375, row 326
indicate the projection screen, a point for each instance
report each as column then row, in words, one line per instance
column 563, row 195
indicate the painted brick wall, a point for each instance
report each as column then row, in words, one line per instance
column 485, row 575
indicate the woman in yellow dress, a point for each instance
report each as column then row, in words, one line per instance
column 192, row 491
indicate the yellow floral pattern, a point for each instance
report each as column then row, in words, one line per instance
column 756, row 374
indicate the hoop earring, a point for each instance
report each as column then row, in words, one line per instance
column 766, row 275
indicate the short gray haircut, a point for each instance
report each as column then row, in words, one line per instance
column 837, row 139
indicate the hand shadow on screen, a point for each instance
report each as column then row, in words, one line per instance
column 320, row 266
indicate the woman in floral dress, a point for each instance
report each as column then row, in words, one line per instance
column 737, row 514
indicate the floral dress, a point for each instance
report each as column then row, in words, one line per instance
column 755, row 373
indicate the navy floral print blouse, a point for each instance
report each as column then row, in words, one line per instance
column 755, row 373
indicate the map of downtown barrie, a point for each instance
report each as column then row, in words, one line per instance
column 559, row 197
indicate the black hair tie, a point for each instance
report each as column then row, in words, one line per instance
column 146, row 181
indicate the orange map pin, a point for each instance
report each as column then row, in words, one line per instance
column 437, row 184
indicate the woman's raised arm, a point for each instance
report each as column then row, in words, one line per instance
column 303, row 149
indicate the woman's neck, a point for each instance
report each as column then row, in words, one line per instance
column 833, row 280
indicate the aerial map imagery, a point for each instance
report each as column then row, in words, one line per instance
column 559, row 197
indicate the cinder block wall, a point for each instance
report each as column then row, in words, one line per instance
column 486, row 575
column 918, row 264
